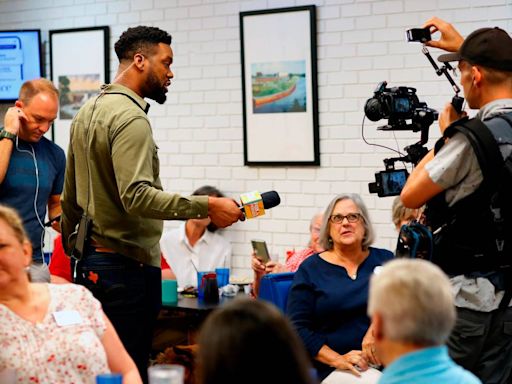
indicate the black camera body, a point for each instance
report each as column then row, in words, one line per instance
column 398, row 104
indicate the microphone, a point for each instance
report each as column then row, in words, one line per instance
column 254, row 203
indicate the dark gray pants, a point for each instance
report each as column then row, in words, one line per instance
column 481, row 342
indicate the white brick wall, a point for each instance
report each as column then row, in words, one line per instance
column 199, row 129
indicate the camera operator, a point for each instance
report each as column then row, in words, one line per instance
column 450, row 179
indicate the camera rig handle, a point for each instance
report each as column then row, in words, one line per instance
column 457, row 101
column 415, row 153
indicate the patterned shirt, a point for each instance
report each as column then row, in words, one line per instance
column 47, row 352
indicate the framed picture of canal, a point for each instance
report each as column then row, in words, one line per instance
column 279, row 86
column 80, row 63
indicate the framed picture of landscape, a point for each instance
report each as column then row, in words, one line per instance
column 279, row 86
column 79, row 64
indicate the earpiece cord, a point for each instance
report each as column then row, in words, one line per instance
column 36, row 195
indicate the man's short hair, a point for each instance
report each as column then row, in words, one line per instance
column 139, row 39
column 497, row 77
column 31, row 88
column 415, row 301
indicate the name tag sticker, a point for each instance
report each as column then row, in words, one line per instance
column 64, row 318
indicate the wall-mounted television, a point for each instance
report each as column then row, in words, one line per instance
column 20, row 60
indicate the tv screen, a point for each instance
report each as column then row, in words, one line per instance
column 20, row 60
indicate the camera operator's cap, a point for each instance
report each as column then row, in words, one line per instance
column 489, row 47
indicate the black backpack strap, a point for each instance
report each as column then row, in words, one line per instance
column 494, row 169
column 485, row 147
column 502, row 128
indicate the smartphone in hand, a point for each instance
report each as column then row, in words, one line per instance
column 261, row 250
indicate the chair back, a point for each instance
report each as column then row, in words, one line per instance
column 275, row 287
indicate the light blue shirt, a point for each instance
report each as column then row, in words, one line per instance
column 427, row 366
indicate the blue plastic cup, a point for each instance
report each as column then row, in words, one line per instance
column 222, row 276
column 109, row 378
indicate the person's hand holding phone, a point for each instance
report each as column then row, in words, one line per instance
column 257, row 265
column 450, row 40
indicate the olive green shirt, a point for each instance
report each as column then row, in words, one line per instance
column 126, row 201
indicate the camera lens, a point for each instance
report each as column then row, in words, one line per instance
column 373, row 109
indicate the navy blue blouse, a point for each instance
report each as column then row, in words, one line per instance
column 328, row 307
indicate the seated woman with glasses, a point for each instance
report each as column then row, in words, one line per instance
column 328, row 298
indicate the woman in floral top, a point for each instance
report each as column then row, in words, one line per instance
column 51, row 333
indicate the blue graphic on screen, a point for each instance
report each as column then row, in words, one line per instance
column 20, row 60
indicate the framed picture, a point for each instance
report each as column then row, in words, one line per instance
column 79, row 64
column 279, row 85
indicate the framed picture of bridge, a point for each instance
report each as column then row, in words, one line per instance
column 279, row 86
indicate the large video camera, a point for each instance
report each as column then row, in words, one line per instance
column 398, row 105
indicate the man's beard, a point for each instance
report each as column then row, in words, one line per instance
column 155, row 90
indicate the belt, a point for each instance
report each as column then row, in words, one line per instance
column 100, row 248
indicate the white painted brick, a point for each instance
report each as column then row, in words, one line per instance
column 227, row 9
column 75, row 22
column 299, row 200
column 95, row 9
column 192, row 147
column 332, row 38
column 203, row 35
column 389, row 34
column 355, row 10
column 191, row 122
column 504, row 12
column 356, row 36
column 314, row 186
column 129, row 18
column 226, row 34
column 139, row 5
column 331, row 12
column 218, row 147
column 215, row 22
column 342, row 105
column 191, row 97
column 336, row 25
column 105, row 19
column 118, row 6
column 383, row 7
column 301, row 174
column 189, row 24
column 411, row 21
column 370, row 22
column 151, row 15
column 372, row 49
column 201, row 11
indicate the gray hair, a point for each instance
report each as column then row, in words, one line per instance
column 369, row 234
column 415, row 301
column 313, row 219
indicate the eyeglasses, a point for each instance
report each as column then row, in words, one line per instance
column 351, row 218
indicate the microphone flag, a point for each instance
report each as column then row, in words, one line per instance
column 252, row 204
